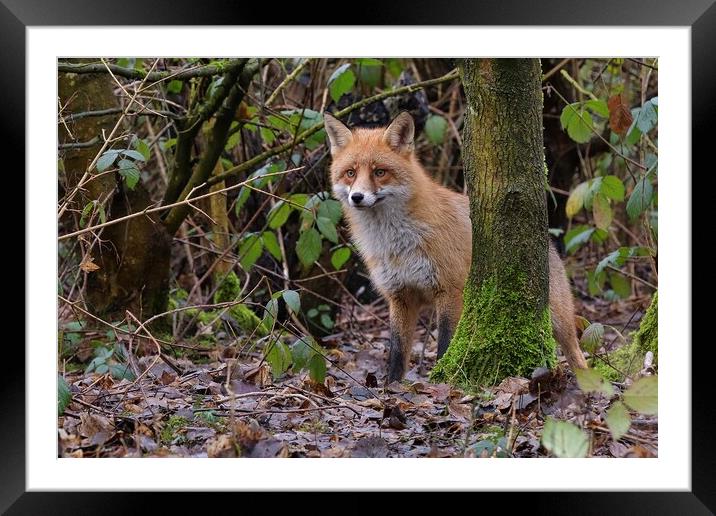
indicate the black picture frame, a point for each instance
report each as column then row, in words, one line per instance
column 700, row 15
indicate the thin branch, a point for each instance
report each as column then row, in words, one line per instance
column 114, row 111
column 132, row 73
column 287, row 80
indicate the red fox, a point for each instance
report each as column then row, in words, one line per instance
column 415, row 237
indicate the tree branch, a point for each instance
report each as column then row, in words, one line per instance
column 216, row 142
column 246, row 165
column 131, row 73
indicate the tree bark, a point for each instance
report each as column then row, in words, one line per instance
column 505, row 328
column 133, row 257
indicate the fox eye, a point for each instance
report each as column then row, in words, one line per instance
column 350, row 173
column 379, row 172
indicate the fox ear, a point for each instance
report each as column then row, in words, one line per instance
column 400, row 134
column 338, row 134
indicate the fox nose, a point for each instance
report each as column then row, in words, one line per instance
column 357, row 197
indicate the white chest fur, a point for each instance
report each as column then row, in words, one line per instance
column 393, row 246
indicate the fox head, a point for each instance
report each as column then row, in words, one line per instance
column 372, row 166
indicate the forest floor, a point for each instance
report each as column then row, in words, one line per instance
column 199, row 413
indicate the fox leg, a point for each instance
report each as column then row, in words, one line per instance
column 404, row 311
column 448, row 306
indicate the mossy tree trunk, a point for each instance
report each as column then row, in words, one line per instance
column 133, row 257
column 505, row 328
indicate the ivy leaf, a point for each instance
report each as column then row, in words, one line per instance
column 576, row 199
column 602, row 211
column 308, row 247
column 564, row 439
column 642, row 396
column 279, row 214
column 293, row 300
column 64, row 395
column 317, row 368
column 341, row 82
column 592, row 337
column 436, row 129
column 270, row 313
column 327, row 228
column 640, row 198
column 613, row 188
column 340, row 256
column 271, row 244
column 279, row 358
column 106, row 160
column 591, row 380
column 121, row 372
column 250, row 250
column 618, row 420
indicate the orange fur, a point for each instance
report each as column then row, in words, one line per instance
column 415, row 236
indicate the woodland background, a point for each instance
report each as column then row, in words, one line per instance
column 237, row 320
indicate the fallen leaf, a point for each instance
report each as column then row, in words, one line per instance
column 88, row 265
column 620, row 118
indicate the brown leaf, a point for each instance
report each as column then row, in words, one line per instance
column 88, row 265
column 620, row 118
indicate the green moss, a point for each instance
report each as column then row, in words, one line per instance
column 229, row 289
column 498, row 336
column 171, row 428
column 629, row 359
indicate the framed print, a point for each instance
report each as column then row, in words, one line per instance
column 425, row 255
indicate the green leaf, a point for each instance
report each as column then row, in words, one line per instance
column 327, row 228
column 591, row 380
column 564, row 439
column 370, row 71
column 436, row 129
column 576, row 199
column 598, row 107
column 640, row 198
column 595, row 185
column 648, row 116
column 331, row 209
column 592, row 337
column 618, row 420
column 279, row 358
column 576, row 237
column 341, row 82
column 613, row 188
column 174, row 86
column 602, row 211
column 293, row 300
column 121, row 372
column 270, row 313
column 317, row 368
column 241, row 199
column 578, row 122
column 129, row 171
column 250, row 249
column 271, row 244
column 340, row 256
column 64, row 395
column 106, row 160
column 143, row 148
column 620, row 284
column 85, row 212
column 308, row 247
column 278, row 215
column 326, row 321
column 301, row 352
column 299, row 198
column 642, row 396
column 133, row 154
